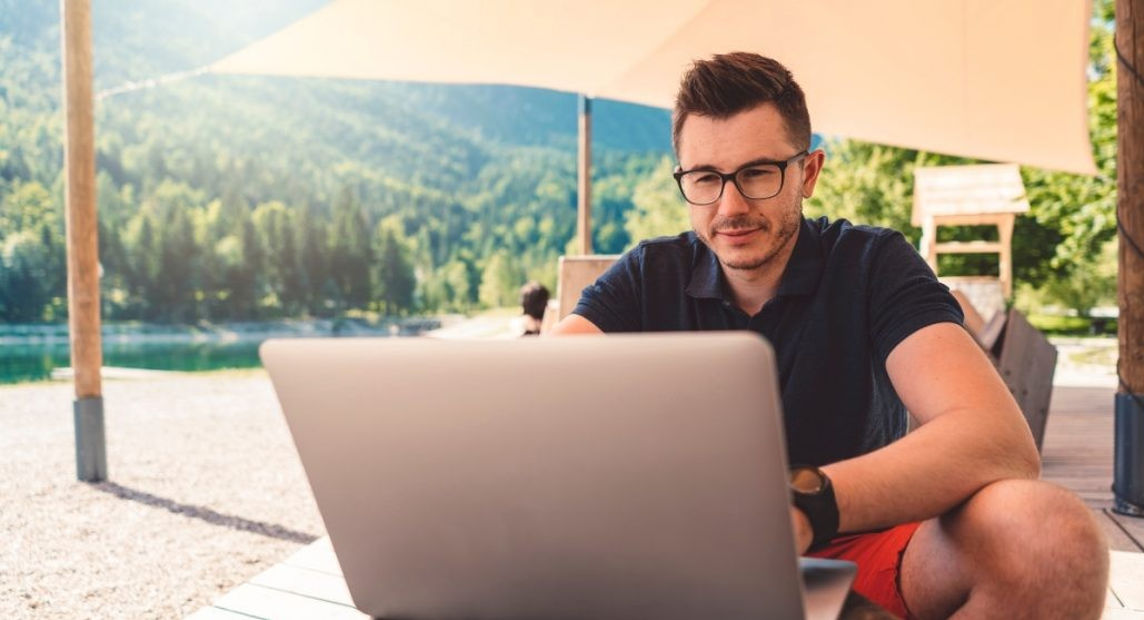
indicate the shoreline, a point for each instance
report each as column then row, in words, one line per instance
column 32, row 354
column 39, row 334
column 64, row 375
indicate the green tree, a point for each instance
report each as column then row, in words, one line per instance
column 28, row 206
column 248, row 282
column 237, row 260
column 176, row 286
column 458, row 284
column 274, row 228
column 143, row 248
column 292, row 276
column 500, row 281
column 314, row 278
column 351, row 252
column 868, row 184
column 659, row 209
column 1090, row 284
column 394, row 277
column 115, row 208
column 24, row 266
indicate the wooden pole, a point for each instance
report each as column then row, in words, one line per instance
column 1130, row 189
column 584, row 178
column 82, row 239
column 1128, row 457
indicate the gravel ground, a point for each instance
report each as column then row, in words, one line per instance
column 205, row 491
column 1086, row 362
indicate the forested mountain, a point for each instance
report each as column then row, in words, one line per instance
column 233, row 198
column 228, row 197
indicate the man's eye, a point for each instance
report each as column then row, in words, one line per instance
column 756, row 173
column 708, row 178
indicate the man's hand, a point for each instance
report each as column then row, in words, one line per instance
column 573, row 324
column 803, row 533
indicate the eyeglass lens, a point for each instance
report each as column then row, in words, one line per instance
column 754, row 182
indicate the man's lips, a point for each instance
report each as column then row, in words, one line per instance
column 737, row 233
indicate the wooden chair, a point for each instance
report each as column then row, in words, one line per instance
column 979, row 195
column 1024, row 358
column 575, row 273
column 986, row 332
column 1027, row 362
column 973, row 319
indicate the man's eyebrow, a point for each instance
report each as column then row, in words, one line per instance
column 753, row 162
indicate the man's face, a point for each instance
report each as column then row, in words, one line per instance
column 747, row 234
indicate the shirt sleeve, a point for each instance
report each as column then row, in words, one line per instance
column 612, row 303
column 905, row 296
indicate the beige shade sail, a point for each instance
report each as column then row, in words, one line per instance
column 1001, row 80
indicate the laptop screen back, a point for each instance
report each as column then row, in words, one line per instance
column 581, row 477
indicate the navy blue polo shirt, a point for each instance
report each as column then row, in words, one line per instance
column 848, row 296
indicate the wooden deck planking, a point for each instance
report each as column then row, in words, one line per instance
column 1133, row 526
column 318, row 556
column 314, row 584
column 214, row 613
column 1118, row 539
column 1111, row 601
column 308, row 584
column 1127, row 579
column 263, row 602
column 1078, row 455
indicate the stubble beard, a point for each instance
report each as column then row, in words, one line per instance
column 787, row 228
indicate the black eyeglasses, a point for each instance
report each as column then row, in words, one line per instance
column 756, row 180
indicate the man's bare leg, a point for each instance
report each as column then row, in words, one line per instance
column 1016, row 549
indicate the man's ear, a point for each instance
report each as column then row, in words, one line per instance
column 811, row 167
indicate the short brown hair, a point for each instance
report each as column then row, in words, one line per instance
column 728, row 84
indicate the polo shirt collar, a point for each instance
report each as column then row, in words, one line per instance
column 801, row 276
column 706, row 276
column 804, row 268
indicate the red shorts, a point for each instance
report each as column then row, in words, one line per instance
column 879, row 559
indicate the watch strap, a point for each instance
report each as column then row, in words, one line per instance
column 821, row 509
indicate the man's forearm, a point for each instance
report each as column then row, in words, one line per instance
column 972, row 434
column 933, row 469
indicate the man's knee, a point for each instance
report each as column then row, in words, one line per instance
column 1029, row 512
column 1027, row 534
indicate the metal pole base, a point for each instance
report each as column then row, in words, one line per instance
column 90, row 446
column 1120, row 506
column 1128, row 456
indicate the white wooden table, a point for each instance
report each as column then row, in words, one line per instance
column 308, row 585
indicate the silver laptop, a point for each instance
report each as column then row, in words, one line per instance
column 636, row 476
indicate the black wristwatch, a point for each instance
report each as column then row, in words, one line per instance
column 813, row 494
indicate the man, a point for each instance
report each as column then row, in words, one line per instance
column 949, row 519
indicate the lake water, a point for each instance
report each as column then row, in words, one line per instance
column 32, row 352
column 36, row 362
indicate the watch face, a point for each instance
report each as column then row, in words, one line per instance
column 806, row 480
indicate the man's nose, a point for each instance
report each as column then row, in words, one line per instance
column 733, row 202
